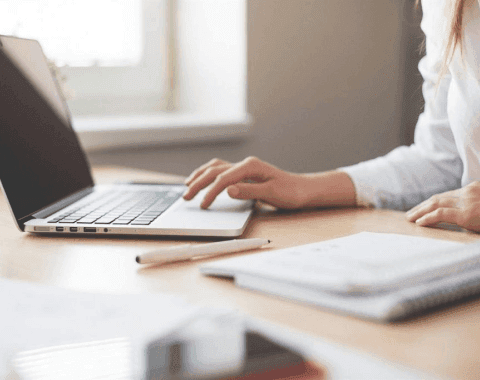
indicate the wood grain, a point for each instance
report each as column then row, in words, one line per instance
column 444, row 343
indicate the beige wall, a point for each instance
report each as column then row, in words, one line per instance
column 325, row 88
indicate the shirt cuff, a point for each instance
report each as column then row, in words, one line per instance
column 364, row 194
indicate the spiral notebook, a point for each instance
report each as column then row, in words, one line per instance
column 378, row 276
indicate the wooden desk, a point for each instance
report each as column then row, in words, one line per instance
column 445, row 343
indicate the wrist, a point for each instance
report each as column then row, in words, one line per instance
column 328, row 189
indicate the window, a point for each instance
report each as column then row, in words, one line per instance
column 85, row 38
column 144, row 71
column 138, row 87
column 110, row 52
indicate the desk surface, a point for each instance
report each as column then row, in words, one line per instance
column 445, row 343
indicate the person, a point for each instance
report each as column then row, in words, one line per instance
column 436, row 178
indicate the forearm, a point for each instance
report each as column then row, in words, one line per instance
column 328, row 189
column 255, row 179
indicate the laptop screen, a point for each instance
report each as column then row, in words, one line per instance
column 41, row 160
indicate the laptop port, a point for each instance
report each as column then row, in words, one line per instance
column 89, row 229
column 73, row 229
column 41, row 229
column 59, row 229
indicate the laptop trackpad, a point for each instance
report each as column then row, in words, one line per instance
column 225, row 212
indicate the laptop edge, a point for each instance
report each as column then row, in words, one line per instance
column 60, row 173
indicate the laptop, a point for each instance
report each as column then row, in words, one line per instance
column 47, row 180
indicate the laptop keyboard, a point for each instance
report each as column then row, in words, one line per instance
column 122, row 208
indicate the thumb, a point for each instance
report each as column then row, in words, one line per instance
column 248, row 191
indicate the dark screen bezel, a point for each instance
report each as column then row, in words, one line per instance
column 22, row 219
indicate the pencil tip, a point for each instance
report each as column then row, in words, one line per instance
column 137, row 259
column 269, row 241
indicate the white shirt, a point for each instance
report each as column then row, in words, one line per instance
column 446, row 150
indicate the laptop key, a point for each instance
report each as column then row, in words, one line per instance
column 138, row 209
column 131, row 214
column 86, row 221
column 120, row 220
column 104, row 220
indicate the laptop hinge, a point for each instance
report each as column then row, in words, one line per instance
column 52, row 209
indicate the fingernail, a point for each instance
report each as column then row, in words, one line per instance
column 233, row 191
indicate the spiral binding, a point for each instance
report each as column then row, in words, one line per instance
column 444, row 293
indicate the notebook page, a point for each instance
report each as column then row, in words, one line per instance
column 339, row 264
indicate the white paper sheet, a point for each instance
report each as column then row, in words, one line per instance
column 38, row 317
column 339, row 264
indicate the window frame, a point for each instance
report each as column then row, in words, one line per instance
column 110, row 90
column 206, row 86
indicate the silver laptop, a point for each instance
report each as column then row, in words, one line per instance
column 47, row 180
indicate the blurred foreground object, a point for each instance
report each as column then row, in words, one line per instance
column 220, row 347
column 106, row 359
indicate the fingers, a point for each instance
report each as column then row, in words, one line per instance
column 203, row 179
column 248, row 179
column 221, row 174
column 431, row 205
column 258, row 191
column 249, row 169
column 440, row 215
column 198, row 172
column 448, row 194
column 460, row 207
column 444, row 208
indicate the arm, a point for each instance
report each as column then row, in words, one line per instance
column 255, row 179
column 409, row 175
column 401, row 179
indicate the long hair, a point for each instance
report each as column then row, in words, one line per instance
column 455, row 33
column 456, row 30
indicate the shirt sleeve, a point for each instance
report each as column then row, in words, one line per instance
column 408, row 175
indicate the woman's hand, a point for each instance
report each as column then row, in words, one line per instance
column 256, row 179
column 460, row 207
column 248, row 179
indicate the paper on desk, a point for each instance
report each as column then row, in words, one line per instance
column 337, row 264
column 38, row 317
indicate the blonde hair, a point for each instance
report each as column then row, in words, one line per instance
column 455, row 9
column 456, row 32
